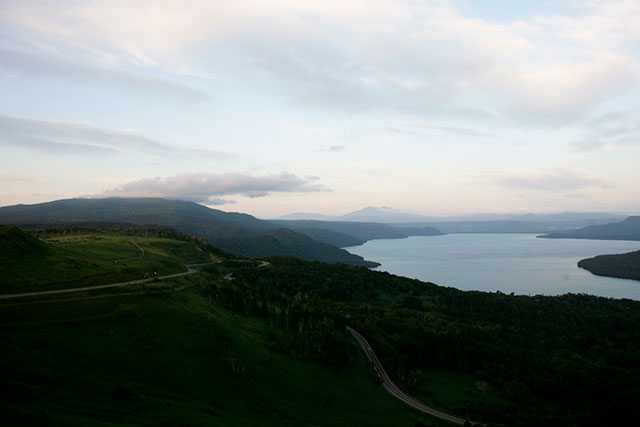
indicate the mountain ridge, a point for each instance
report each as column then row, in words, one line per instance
column 628, row 229
column 238, row 233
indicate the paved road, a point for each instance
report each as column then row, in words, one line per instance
column 190, row 270
column 394, row 390
column 229, row 276
column 134, row 257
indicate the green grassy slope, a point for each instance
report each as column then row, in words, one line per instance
column 170, row 357
column 65, row 261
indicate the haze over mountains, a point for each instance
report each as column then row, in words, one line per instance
column 475, row 223
column 629, row 229
column 390, row 215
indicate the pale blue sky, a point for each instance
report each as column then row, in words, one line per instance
column 267, row 107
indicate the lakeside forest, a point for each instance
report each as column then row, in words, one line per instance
column 203, row 348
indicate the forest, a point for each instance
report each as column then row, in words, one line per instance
column 565, row 360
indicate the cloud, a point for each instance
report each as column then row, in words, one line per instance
column 387, row 55
column 83, row 139
column 208, row 188
column 611, row 131
column 74, row 72
column 558, row 181
column 443, row 129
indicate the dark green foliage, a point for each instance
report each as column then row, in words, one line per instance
column 568, row 360
column 141, row 357
column 626, row 266
column 334, row 238
column 15, row 244
column 629, row 229
column 282, row 241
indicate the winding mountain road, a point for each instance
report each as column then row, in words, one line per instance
column 395, row 391
column 190, row 270
column 134, row 257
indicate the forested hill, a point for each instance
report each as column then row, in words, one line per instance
column 629, row 229
column 351, row 233
column 237, row 233
column 625, row 266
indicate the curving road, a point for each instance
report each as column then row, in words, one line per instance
column 111, row 285
column 394, row 390
column 135, row 257
column 190, row 270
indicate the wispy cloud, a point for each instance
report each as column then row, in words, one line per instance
column 209, row 188
column 612, row 131
column 557, row 181
column 419, row 131
column 74, row 72
column 332, row 149
column 83, row 139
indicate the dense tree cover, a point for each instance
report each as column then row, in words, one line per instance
column 626, row 266
column 567, row 360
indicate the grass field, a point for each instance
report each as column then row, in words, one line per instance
column 165, row 355
column 66, row 261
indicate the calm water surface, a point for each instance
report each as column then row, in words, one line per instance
column 518, row 263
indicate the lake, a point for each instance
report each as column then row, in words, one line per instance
column 519, row 263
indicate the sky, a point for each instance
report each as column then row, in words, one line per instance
column 281, row 106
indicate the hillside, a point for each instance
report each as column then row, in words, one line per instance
column 351, row 233
column 67, row 260
column 360, row 230
column 629, row 229
column 282, row 241
column 233, row 232
column 242, row 343
column 625, row 266
column 165, row 354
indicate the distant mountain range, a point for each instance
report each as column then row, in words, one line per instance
column 351, row 233
column 538, row 222
column 629, row 229
column 237, row 233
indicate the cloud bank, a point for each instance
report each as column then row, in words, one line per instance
column 57, row 137
column 392, row 55
column 208, row 188
column 558, row 181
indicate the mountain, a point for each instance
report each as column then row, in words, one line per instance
column 387, row 215
column 362, row 231
column 568, row 219
column 528, row 221
column 307, row 215
column 625, row 266
column 237, row 233
column 629, row 229
column 499, row 226
column 335, row 238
